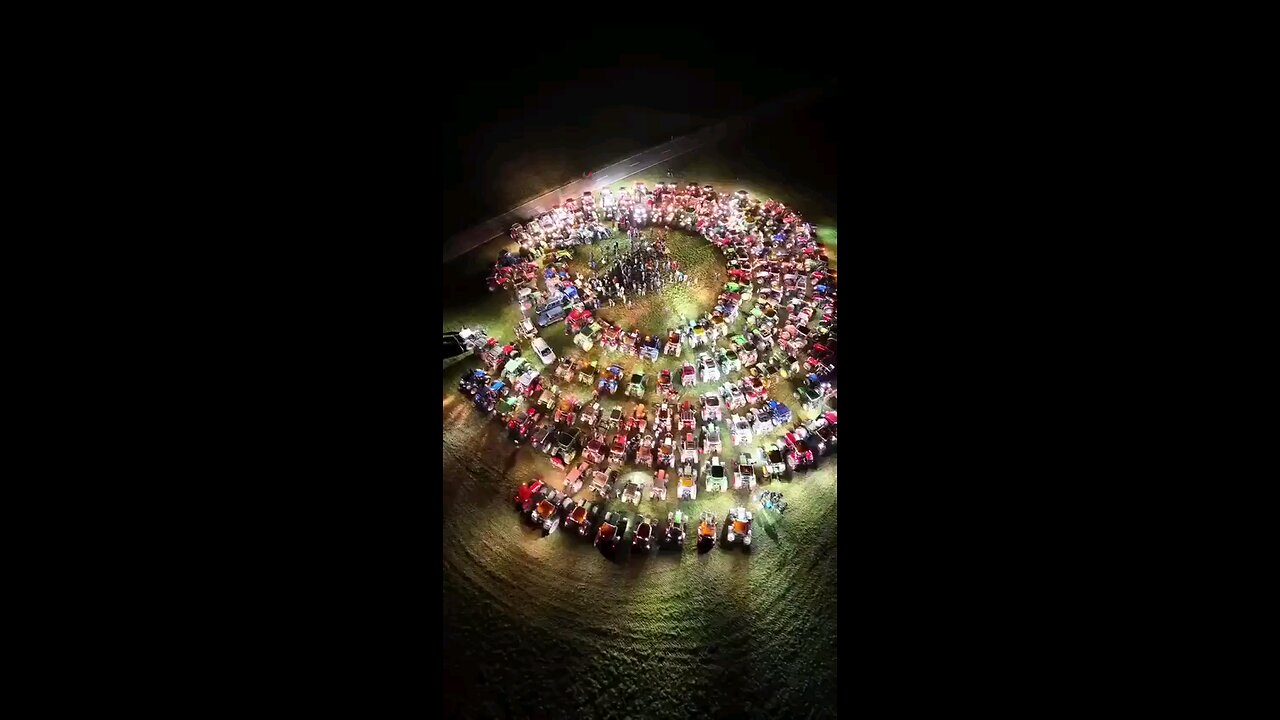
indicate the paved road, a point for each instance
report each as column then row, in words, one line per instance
column 604, row 177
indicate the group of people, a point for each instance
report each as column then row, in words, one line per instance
column 621, row 274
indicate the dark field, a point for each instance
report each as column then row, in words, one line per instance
column 520, row 164
column 538, row 626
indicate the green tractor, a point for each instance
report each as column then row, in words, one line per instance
column 636, row 388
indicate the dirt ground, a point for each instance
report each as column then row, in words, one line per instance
column 535, row 625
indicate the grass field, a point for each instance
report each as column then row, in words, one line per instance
column 650, row 314
column 536, row 625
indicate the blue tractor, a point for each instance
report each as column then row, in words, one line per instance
column 609, row 383
column 472, row 380
column 781, row 413
column 484, row 399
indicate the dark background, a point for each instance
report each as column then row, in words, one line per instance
column 510, row 136
column 976, row 365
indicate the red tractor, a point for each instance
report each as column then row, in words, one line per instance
column 577, row 319
column 688, row 419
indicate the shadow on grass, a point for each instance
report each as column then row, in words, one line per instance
column 510, row 461
column 670, row 554
column 610, row 551
column 638, row 559
column 770, row 527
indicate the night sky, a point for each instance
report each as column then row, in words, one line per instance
column 553, row 117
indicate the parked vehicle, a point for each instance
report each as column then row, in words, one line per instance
column 474, row 339
column 567, row 444
column 529, row 384
column 711, row 439
column 584, row 518
column 745, row 477
column 666, row 451
column 649, row 348
column 717, row 480
column 587, row 372
column 600, row 484
column 614, row 419
column 507, row 408
column 761, row 420
column 527, row 492
column 688, row 419
column 688, row 375
column 586, row 337
column 546, row 515
column 707, row 530
column 733, row 396
column 673, row 344
column 664, row 383
column 543, row 350
column 662, row 423
column 781, row 413
column 795, row 450
column 611, row 336
column 543, row 437
column 596, row 449
column 573, row 481
column 821, row 440
column 467, row 385
column 578, row 319
column 658, row 491
column 609, row 380
column 729, row 361
column 644, row 454
column 739, row 430
column 809, row 398
column 624, row 522
column 591, row 417
column 548, row 398
column 618, row 449
column 711, row 407
column 518, row 429
column 677, row 527
column 771, row 463
column 608, row 532
column 687, row 485
column 567, row 506
column 739, row 526
column 553, row 310
column 567, row 410
column 639, row 419
column 643, row 539
column 689, row 449
column 484, row 400
column 632, row 493
column 754, row 388
column 636, row 387
column 710, row 371
column 565, row 369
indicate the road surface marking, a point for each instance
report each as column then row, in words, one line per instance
column 634, row 164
